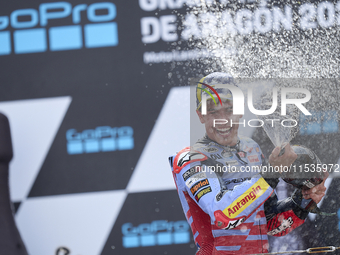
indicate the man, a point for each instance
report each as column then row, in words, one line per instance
column 225, row 206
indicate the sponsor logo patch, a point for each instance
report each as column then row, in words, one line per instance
column 211, row 150
column 220, row 195
column 202, row 193
column 246, row 199
column 195, row 178
column 226, row 154
column 242, row 154
column 191, row 172
column 238, row 180
column 231, row 163
column 183, row 158
column 188, row 156
column 235, row 223
column 253, row 158
column 215, row 156
column 248, row 149
column 199, row 185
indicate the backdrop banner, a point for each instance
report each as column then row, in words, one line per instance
column 97, row 95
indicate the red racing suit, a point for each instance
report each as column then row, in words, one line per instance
column 230, row 207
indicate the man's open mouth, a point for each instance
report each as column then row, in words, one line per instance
column 224, row 131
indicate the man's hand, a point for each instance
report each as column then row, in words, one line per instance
column 316, row 193
column 285, row 160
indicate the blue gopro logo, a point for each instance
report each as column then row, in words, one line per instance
column 319, row 122
column 31, row 39
column 100, row 139
column 159, row 232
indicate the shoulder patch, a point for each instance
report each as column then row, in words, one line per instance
column 185, row 157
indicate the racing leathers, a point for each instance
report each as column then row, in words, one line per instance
column 229, row 205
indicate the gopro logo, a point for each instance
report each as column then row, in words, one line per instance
column 159, row 232
column 32, row 39
column 100, row 139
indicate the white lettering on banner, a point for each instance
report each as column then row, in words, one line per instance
column 150, row 30
column 307, row 12
column 243, row 21
column 168, row 28
column 191, row 28
column 204, row 25
column 152, row 5
column 228, row 26
column 153, row 29
column 322, row 8
column 171, row 4
column 148, row 5
column 259, row 14
column 185, row 55
column 282, row 19
column 209, row 24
